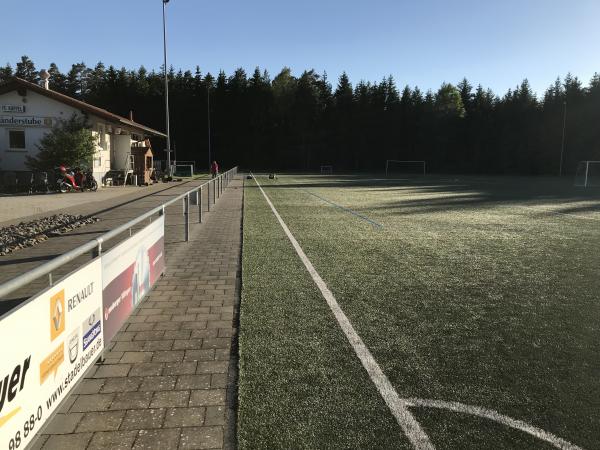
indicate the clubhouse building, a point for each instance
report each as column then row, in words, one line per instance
column 28, row 111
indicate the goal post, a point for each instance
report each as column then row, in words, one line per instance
column 326, row 170
column 587, row 174
column 183, row 170
column 412, row 167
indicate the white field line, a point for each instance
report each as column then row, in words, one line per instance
column 343, row 208
column 398, row 407
column 496, row 417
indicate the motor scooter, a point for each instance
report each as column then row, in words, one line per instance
column 85, row 179
column 65, row 180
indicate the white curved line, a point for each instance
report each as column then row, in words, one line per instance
column 496, row 417
column 412, row 429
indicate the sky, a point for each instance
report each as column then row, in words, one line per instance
column 420, row 42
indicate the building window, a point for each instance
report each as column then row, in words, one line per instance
column 16, row 139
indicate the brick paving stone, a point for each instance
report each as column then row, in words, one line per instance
column 164, row 380
column 157, row 439
column 215, row 415
column 213, row 367
column 90, row 386
column 143, row 418
column 193, row 382
column 218, row 380
column 168, row 356
column 146, row 369
column 136, row 357
column 208, row 397
column 101, row 421
column 184, row 417
column 159, row 383
column 113, row 440
column 125, row 384
column 92, row 402
column 74, row 441
column 131, row 400
column 202, row 437
column 112, row 370
column 170, row 399
column 64, row 423
column 180, row 368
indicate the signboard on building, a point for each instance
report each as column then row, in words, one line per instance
column 47, row 345
column 13, row 108
column 26, row 121
column 128, row 273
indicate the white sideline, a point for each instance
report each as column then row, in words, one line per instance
column 398, row 406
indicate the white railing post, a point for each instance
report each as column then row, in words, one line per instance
column 200, row 205
column 186, row 203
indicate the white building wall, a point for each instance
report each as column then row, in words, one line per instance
column 51, row 110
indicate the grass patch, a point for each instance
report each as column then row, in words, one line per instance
column 474, row 290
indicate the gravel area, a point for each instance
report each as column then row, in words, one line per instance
column 28, row 234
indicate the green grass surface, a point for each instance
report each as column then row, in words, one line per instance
column 479, row 290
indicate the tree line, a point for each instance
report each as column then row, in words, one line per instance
column 302, row 122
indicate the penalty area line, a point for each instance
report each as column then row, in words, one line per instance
column 399, row 407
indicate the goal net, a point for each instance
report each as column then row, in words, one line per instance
column 183, row 170
column 398, row 167
column 326, row 170
column 588, row 174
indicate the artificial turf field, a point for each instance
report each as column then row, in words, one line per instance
column 479, row 298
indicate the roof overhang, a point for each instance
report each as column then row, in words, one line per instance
column 18, row 83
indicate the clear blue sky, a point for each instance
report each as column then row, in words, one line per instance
column 419, row 42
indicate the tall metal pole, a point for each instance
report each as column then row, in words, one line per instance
column 562, row 148
column 208, row 112
column 166, row 92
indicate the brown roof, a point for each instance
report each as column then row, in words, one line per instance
column 16, row 83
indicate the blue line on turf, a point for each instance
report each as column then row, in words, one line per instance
column 354, row 213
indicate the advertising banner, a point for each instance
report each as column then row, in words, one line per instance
column 47, row 345
column 128, row 273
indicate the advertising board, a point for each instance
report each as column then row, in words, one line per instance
column 129, row 271
column 47, row 345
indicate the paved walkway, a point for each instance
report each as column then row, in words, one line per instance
column 15, row 208
column 168, row 379
column 112, row 212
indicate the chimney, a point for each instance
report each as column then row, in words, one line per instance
column 44, row 75
column 131, row 115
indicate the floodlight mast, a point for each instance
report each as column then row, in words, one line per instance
column 562, row 148
column 168, row 149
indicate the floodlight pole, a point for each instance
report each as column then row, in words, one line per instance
column 208, row 114
column 562, row 148
column 168, row 150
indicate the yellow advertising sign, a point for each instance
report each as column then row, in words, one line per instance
column 57, row 314
column 7, row 417
column 52, row 362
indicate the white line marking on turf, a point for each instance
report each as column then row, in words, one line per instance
column 372, row 222
column 496, row 417
column 399, row 407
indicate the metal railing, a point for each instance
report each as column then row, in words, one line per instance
column 218, row 183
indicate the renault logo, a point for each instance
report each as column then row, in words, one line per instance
column 57, row 314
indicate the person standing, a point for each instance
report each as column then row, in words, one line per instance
column 214, row 169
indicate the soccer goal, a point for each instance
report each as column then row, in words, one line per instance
column 183, row 170
column 587, row 174
column 395, row 166
column 326, row 170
